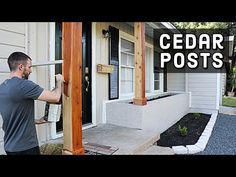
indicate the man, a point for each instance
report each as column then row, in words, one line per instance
column 17, row 95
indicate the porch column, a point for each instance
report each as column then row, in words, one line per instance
column 139, row 92
column 72, row 97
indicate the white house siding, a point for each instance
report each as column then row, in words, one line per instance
column 38, row 50
column 176, row 82
column 33, row 39
column 12, row 38
column 203, row 88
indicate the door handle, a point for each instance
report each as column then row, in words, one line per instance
column 87, row 80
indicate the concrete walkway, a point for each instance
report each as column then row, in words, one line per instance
column 125, row 140
column 227, row 110
column 110, row 139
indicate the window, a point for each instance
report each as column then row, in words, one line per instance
column 127, row 67
column 148, row 69
column 158, row 73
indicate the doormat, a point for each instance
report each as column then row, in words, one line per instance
column 98, row 149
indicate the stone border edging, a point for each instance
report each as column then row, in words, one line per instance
column 202, row 141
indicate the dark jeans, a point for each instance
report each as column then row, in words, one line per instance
column 32, row 151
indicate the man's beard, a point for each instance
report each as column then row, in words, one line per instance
column 25, row 76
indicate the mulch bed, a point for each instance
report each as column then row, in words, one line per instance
column 195, row 127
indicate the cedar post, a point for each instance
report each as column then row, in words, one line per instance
column 139, row 34
column 72, row 97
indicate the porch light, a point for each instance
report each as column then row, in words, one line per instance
column 106, row 33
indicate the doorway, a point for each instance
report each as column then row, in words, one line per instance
column 86, row 70
column 86, row 73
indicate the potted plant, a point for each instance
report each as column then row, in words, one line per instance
column 232, row 80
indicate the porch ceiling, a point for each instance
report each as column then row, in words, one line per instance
column 149, row 26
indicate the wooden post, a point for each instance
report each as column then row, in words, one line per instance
column 72, row 97
column 139, row 93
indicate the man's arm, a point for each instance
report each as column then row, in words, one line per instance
column 54, row 95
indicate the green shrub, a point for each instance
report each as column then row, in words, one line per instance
column 183, row 131
column 196, row 115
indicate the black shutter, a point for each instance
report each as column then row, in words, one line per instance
column 114, row 60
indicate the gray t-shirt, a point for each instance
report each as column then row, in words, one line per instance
column 17, row 109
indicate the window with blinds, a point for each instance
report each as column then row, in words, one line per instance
column 127, row 67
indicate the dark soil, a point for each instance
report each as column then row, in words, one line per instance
column 195, row 127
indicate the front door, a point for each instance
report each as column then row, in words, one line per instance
column 86, row 74
column 86, row 71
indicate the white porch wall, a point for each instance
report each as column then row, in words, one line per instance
column 159, row 114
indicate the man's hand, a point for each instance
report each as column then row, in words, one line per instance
column 59, row 78
column 40, row 121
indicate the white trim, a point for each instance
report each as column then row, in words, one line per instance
column 152, row 72
column 104, row 115
column 126, row 66
column 52, row 53
column 26, row 38
column 161, row 82
column 218, row 91
column 53, row 129
column 128, row 37
column 150, row 68
column 186, row 82
column 190, row 99
column 94, row 74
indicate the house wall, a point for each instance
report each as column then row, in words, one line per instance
column 203, row 88
column 38, row 50
column 102, row 58
column 31, row 38
column 12, row 38
column 176, row 82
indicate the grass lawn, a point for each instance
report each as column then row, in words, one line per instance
column 229, row 101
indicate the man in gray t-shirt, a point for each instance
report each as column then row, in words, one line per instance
column 17, row 95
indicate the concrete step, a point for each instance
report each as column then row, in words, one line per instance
column 110, row 139
column 128, row 141
column 158, row 150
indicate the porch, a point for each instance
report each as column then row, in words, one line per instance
column 108, row 139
